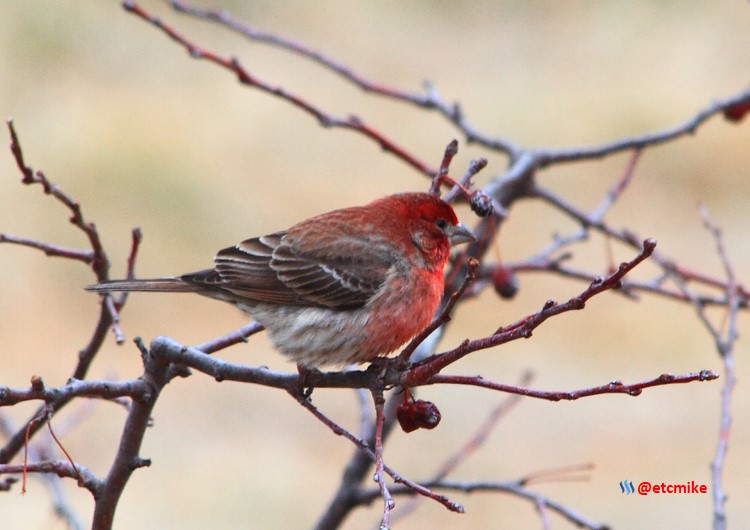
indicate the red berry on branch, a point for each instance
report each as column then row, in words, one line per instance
column 419, row 414
column 737, row 112
column 504, row 281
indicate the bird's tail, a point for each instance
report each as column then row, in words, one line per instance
column 163, row 285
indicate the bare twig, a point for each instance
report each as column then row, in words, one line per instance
column 85, row 256
column 614, row 387
column 75, row 388
column 224, row 18
column 546, row 157
column 678, row 272
column 235, row 337
column 475, row 166
column 388, row 504
column 453, row 112
column 515, row 487
column 62, row 468
column 245, row 77
column 114, row 306
column 365, row 447
column 99, row 261
column 724, row 342
column 99, row 264
column 450, row 151
column 617, row 190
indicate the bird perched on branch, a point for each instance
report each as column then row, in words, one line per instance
column 340, row 288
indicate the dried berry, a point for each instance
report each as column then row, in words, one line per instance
column 418, row 414
column 481, row 204
column 504, row 281
column 737, row 112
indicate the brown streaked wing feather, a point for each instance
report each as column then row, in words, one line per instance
column 267, row 269
column 270, row 269
column 332, row 276
column 244, row 270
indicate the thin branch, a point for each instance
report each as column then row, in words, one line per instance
column 475, row 166
column 388, row 503
column 430, row 99
column 677, row 272
column 688, row 127
column 99, row 264
column 49, row 249
column 65, row 452
column 230, row 339
column 515, row 488
column 224, row 18
column 62, row 468
column 617, row 190
column 724, row 342
column 135, row 388
column 450, row 151
column 353, row 123
column 453, row 112
column 614, row 387
column 524, row 328
column 363, row 446
column 40, row 451
column 114, row 306
column 629, row 287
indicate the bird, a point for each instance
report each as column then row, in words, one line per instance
column 341, row 288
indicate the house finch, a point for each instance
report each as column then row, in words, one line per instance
column 343, row 287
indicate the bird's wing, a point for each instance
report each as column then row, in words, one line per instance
column 273, row 269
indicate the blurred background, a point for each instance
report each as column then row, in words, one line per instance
column 125, row 122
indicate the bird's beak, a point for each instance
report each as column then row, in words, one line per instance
column 460, row 234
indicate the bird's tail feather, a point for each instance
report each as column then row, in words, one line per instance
column 163, row 285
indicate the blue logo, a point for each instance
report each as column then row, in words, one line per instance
column 626, row 487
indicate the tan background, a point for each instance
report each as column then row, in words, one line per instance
column 142, row 135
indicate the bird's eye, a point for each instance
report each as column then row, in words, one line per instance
column 442, row 224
